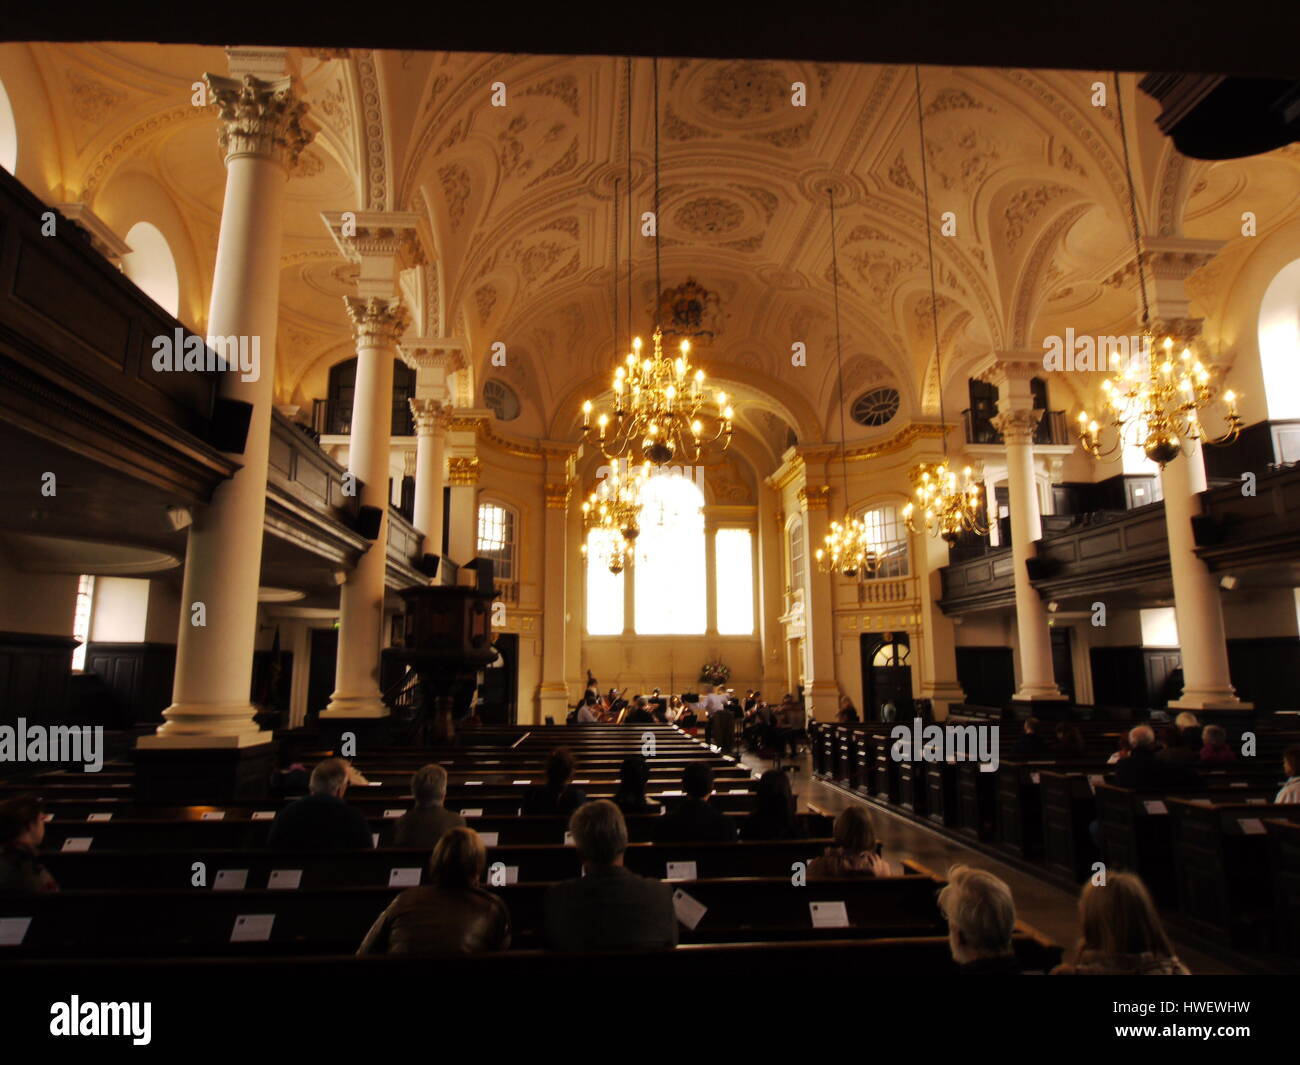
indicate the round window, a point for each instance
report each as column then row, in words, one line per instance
column 875, row 407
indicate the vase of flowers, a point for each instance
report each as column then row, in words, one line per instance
column 714, row 672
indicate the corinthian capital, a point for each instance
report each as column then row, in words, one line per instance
column 377, row 321
column 431, row 417
column 261, row 118
column 1017, row 426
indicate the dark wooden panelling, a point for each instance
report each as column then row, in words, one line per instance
column 34, row 672
column 1132, row 676
column 986, row 674
column 1266, row 671
column 137, row 678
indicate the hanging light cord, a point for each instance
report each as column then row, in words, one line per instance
column 615, row 271
column 839, row 363
column 658, row 282
column 1133, row 208
column 629, row 201
column 929, row 246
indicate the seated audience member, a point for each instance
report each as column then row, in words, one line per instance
column 1214, row 746
column 1183, row 741
column 1122, row 750
column 848, row 714
column 773, row 816
column 1122, row 934
column 452, row 915
column 1141, row 769
column 1030, row 743
column 1069, row 740
column 430, row 820
column 290, row 777
column 1290, row 792
column 981, row 918
column 22, row 830
column 556, row 796
column 321, row 821
column 695, row 821
column 608, row 908
column 854, row 852
column 632, row 779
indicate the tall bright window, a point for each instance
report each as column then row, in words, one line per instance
column 888, row 538
column 796, row 554
column 604, row 589
column 496, row 539
column 151, row 265
column 734, row 563
column 670, row 591
column 8, row 134
column 81, row 620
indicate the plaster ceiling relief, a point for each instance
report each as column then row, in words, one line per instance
column 1024, row 206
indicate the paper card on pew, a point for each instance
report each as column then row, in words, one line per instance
column 374, row 783
column 252, row 928
column 512, row 874
column 99, row 817
column 1256, row 802
column 77, row 843
column 374, row 839
column 230, row 880
column 1155, row 806
column 471, row 813
column 582, row 781
column 404, row 877
column 1252, row 826
column 13, row 930
column 390, row 814
column 737, row 791
column 674, row 792
column 263, row 815
column 521, row 782
column 1239, row 784
column 568, row 839
column 489, row 838
column 214, row 815
column 681, row 871
column 829, row 914
column 690, row 911
column 285, row 879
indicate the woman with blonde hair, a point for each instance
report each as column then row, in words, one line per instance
column 855, row 852
column 1122, row 933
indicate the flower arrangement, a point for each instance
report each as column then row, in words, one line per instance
column 714, row 673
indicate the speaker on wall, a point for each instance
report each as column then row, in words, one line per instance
column 428, row 565
column 230, row 420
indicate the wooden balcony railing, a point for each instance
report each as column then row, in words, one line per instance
column 1052, row 429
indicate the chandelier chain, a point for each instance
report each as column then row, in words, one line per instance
column 1133, row 209
column 839, row 361
column 929, row 247
column 658, row 282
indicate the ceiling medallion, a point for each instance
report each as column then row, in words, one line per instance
column 690, row 312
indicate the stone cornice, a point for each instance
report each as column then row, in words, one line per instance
column 434, row 353
column 260, row 118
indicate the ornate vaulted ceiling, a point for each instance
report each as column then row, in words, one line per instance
column 518, row 211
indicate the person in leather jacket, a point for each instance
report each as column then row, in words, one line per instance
column 451, row 915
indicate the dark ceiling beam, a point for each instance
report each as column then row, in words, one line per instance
column 1249, row 37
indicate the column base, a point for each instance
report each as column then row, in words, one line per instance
column 188, row 725
column 203, row 775
column 1209, row 700
column 942, row 695
column 1037, row 694
column 553, row 701
column 823, row 700
column 355, row 706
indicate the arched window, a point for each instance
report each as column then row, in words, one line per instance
column 891, row 653
column 1279, row 343
column 8, row 134
column 342, row 388
column 733, row 554
column 795, row 535
column 497, row 537
column 670, row 593
column 604, row 589
column 888, row 538
column 151, row 265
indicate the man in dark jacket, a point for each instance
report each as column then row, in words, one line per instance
column 321, row 821
column 430, row 820
column 609, row 908
column 695, row 821
column 1142, row 769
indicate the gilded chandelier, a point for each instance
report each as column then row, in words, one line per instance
column 1155, row 400
column 1158, row 407
column 659, row 409
column 845, row 549
column 947, row 506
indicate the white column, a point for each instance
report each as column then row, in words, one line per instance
column 553, row 692
column 430, row 465
column 262, row 135
column 1201, row 638
column 462, row 532
column 938, row 638
column 820, row 687
column 378, row 324
column 1017, row 424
